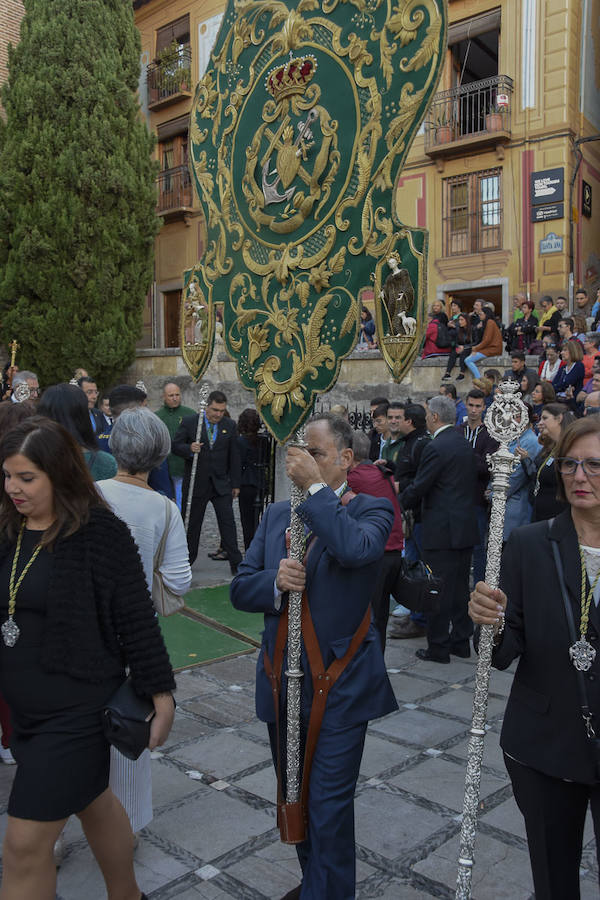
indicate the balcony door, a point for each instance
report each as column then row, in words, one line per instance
column 474, row 46
column 172, row 302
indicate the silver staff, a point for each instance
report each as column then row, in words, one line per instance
column 294, row 672
column 202, row 406
column 506, row 419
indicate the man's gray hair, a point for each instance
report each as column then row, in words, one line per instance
column 444, row 408
column 341, row 431
column 22, row 376
column 139, row 441
column 361, row 446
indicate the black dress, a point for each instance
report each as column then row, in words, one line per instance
column 62, row 755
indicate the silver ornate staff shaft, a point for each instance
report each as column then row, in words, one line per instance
column 202, row 406
column 294, row 671
column 506, row 419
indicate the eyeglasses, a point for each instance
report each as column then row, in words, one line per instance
column 567, row 465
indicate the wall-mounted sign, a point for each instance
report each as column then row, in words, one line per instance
column 586, row 199
column 545, row 213
column 547, row 187
column 502, row 100
column 552, row 243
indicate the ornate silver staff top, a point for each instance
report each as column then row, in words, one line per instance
column 141, row 386
column 203, row 399
column 21, row 392
column 506, row 419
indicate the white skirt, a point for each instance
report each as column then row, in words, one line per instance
column 131, row 781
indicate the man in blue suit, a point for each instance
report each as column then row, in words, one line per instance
column 345, row 542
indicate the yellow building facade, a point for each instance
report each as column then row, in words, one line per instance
column 177, row 37
column 508, row 152
column 498, row 173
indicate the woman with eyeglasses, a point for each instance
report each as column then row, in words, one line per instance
column 553, row 711
column 540, row 470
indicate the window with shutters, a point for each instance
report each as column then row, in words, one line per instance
column 472, row 212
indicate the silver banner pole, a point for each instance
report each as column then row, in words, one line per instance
column 505, row 420
column 188, row 506
column 294, row 671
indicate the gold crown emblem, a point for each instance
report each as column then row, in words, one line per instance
column 292, row 77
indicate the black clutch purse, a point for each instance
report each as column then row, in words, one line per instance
column 417, row 587
column 126, row 721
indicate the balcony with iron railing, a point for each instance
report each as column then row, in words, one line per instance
column 170, row 79
column 473, row 116
column 175, row 193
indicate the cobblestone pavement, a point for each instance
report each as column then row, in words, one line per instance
column 213, row 835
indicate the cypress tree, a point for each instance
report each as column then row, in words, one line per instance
column 77, row 194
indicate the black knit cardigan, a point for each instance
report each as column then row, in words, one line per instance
column 100, row 615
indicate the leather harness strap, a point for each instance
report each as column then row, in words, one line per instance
column 293, row 817
column 323, row 680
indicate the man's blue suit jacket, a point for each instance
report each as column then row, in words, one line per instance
column 341, row 572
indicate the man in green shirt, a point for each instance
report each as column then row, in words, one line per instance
column 171, row 413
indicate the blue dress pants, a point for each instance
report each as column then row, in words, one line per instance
column 328, row 856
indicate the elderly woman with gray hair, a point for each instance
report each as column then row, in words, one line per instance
column 139, row 441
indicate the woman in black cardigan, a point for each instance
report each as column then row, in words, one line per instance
column 75, row 610
column 553, row 764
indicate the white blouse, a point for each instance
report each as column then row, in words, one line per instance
column 144, row 512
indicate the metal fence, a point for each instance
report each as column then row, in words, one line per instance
column 174, row 190
column 469, row 110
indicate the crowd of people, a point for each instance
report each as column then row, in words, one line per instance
column 97, row 489
column 90, row 516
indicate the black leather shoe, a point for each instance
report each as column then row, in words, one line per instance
column 293, row 894
column 463, row 652
column 427, row 656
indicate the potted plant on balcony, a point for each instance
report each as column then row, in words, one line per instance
column 174, row 71
column 444, row 126
column 494, row 119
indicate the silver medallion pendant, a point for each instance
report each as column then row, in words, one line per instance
column 10, row 632
column 581, row 652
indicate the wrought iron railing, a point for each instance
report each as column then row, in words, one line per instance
column 170, row 77
column 174, row 190
column 480, row 108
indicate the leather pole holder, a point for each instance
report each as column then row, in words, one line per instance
column 292, row 818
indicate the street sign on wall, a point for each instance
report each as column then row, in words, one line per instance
column 547, row 187
column 586, row 199
column 552, row 243
column 545, row 213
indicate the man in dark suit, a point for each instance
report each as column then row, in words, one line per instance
column 90, row 389
column 217, row 475
column 445, row 485
column 337, row 575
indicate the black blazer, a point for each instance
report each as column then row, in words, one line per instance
column 446, row 487
column 543, row 727
column 219, row 467
column 99, row 612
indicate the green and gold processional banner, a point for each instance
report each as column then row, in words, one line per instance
column 298, row 131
